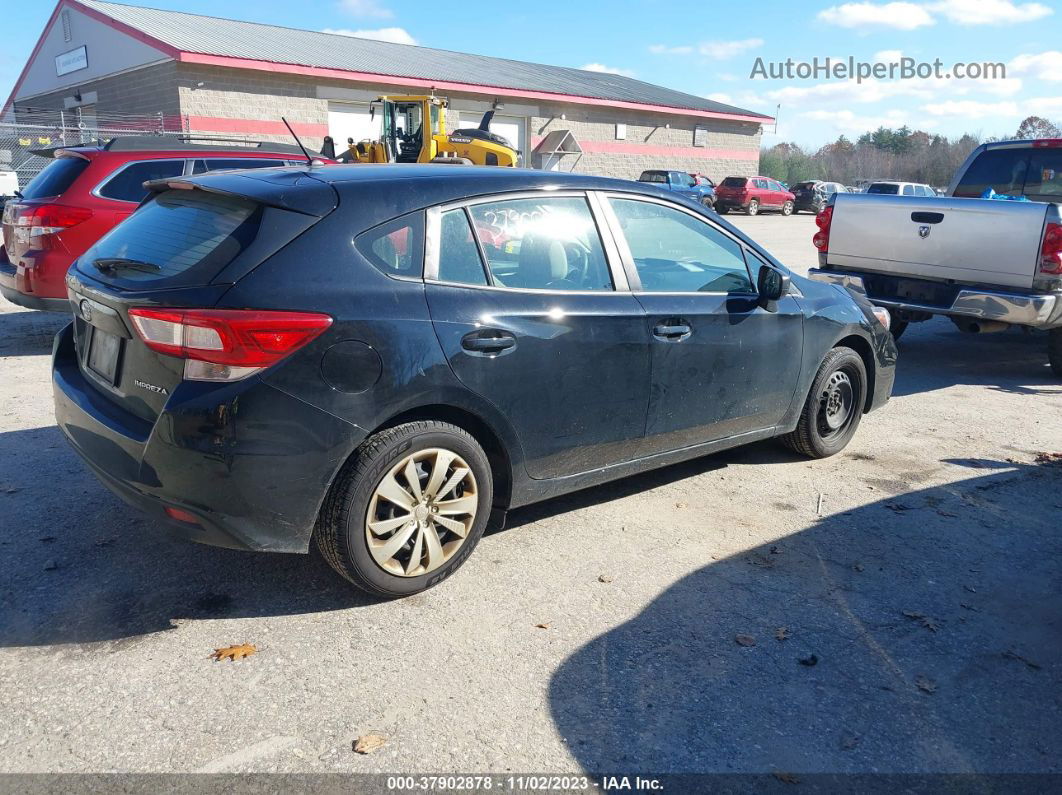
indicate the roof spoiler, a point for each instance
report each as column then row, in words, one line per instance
column 288, row 189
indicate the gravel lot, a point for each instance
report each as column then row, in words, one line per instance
column 916, row 577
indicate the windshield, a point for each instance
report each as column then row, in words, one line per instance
column 56, row 177
column 176, row 234
column 884, row 187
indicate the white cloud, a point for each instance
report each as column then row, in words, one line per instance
column 719, row 96
column 846, row 121
column 989, row 12
column 1045, row 106
column 365, row 8
column 716, row 50
column 608, row 70
column 971, row 109
column 393, row 35
column 888, row 56
column 847, row 92
column 897, row 15
column 1044, row 65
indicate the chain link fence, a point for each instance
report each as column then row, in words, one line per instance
column 25, row 142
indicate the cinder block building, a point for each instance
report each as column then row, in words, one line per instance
column 222, row 77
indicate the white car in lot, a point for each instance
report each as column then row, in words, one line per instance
column 889, row 188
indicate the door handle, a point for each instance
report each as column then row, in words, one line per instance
column 673, row 332
column 927, row 218
column 488, row 341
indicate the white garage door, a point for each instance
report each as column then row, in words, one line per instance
column 351, row 120
column 512, row 128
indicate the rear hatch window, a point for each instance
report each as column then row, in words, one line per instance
column 182, row 237
column 884, row 188
column 56, row 178
column 734, row 182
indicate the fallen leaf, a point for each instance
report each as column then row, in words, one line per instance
column 969, row 588
column 235, row 652
column 680, row 505
column 925, row 685
column 368, row 743
column 781, row 633
column 1013, row 655
column 756, row 559
column 850, row 741
column 774, row 550
column 745, row 640
column 105, row 542
column 604, row 578
column 786, row 778
column 968, row 607
column 542, row 626
column 809, row 661
column 12, row 490
column 946, row 513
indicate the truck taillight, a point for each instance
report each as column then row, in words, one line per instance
column 226, row 344
column 823, row 220
column 1051, row 252
column 1047, row 143
column 35, row 224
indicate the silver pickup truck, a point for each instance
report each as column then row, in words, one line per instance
column 988, row 264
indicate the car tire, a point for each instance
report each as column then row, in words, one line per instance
column 432, row 551
column 787, row 208
column 897, row 328
column 833, row 408
column 722, row 210
column 753, row 208
column 1054, row 350
column 708, row 203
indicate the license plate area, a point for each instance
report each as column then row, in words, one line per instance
column 104, row 350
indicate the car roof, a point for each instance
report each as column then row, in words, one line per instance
column 464, row 179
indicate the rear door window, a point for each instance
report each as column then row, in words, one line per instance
column 459, row 259
column 56, row 177
column 181, row 237
column 127, row 184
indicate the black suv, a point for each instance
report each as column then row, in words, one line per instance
column 379, row 358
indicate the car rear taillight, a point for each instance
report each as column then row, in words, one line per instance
column 1051, row 251
column 226, row 344
column 823, row 220
column 36, row 224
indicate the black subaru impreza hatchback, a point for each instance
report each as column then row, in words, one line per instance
column 378, row 359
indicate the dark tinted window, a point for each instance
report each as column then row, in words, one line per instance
column 653, row 176
column 734, row 182
column 804, row 186
column 884, row 187
column 1044, row 179
column 176, row 232
column 56, row 177
column 225, row 164
column 396, row 247
column 127, row 185
column 675, row 252
column 1002, row 170
column 458, row 254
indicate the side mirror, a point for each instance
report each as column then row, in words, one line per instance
column 772, row 285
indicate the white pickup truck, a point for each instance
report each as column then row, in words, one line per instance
column 988, row 264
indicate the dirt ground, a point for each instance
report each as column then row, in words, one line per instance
column 896, row 608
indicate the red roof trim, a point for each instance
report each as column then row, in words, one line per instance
column 444, row 85
column 166, row 49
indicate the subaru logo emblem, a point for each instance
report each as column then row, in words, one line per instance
column 923, row 231
column 86, row 311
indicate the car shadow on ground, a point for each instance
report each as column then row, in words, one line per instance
column 936, row 355
column 916, row 634
column 26, row 332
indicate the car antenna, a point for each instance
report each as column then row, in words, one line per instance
column 309, row 160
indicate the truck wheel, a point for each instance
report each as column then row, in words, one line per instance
column 834, row 406
column 707, row 202
column 1054, row 350
column 897, row 328
column 753, row 208
column 408, row 508
column 787, row 208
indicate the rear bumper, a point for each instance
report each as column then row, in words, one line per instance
column 9, row 288
column 254, row 479
column 1035, row 310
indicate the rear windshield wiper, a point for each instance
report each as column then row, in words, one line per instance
column 111, row 264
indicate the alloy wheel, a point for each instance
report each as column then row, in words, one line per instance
column 421, row 512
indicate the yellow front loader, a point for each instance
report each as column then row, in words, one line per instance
column 414, row 131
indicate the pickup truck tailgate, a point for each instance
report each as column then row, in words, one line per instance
column 966, row 240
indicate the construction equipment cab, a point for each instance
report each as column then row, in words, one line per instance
column 414, row 131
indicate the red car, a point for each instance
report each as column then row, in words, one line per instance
column 86, row 191
column 754, row 195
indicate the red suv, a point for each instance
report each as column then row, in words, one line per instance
column 86, row 191
column 753, row 195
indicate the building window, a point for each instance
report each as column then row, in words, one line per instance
column 66, row 24
column 700, row 136
column 621, row 132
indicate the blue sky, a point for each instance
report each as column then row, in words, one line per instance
column 709, row 49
